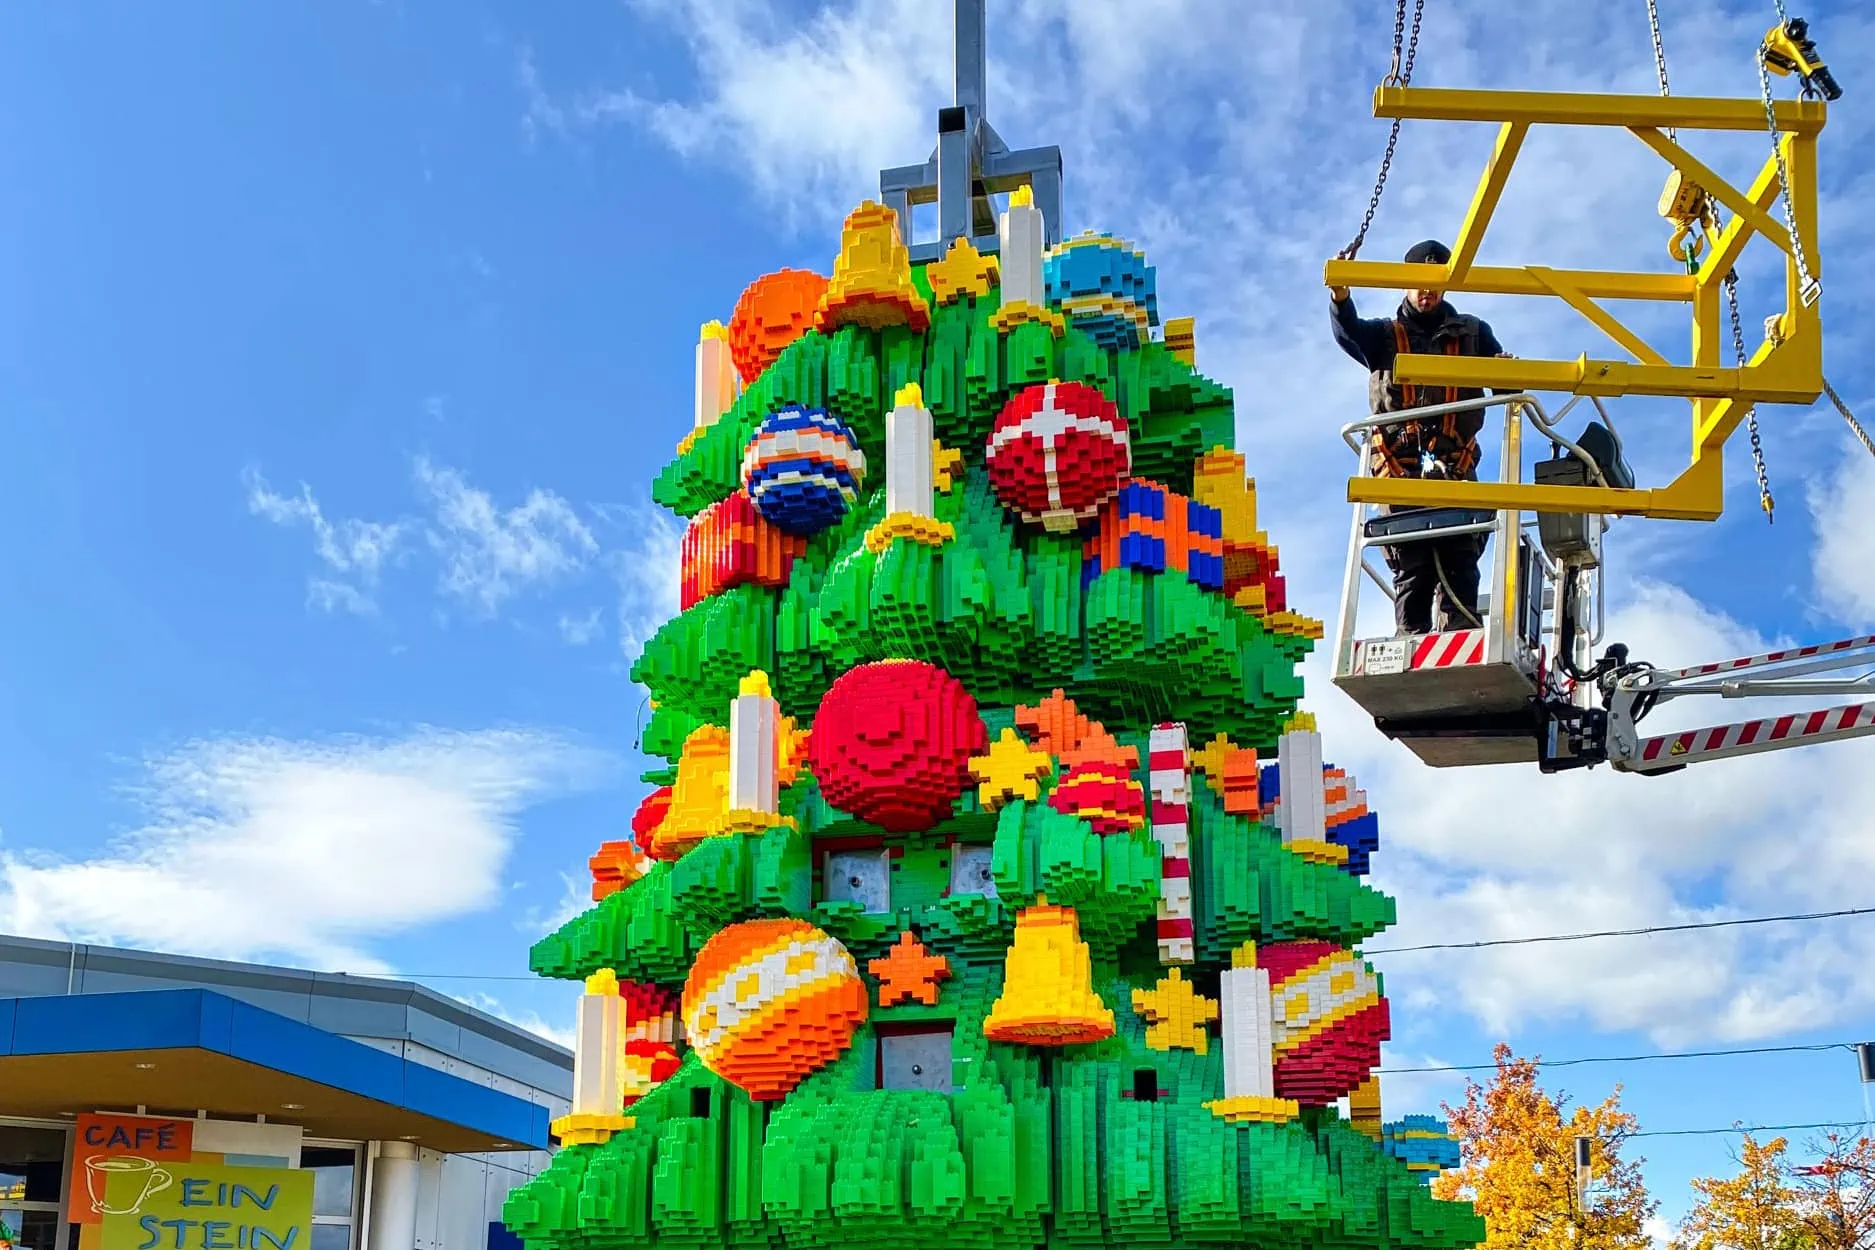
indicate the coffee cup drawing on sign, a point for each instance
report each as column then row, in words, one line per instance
column 98, row 1174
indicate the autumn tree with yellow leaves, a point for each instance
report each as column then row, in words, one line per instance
column 1754, row 1210
column 1518, row 1167
column 1775, row 1204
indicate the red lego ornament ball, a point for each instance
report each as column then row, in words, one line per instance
column 1329, row 1019
column 1057, row 452
column 892, row 743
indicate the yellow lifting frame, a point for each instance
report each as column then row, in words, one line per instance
column 1787, row 368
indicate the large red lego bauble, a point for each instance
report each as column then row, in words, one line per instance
column 1057, row 452
column 775, row 310
column 892, row 743
column 1328, row 1016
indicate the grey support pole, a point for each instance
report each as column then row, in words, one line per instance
column 971, row 162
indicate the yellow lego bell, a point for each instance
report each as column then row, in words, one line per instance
column 871, row 284
column 1048, row 994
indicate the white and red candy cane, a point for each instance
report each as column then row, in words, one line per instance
column 1169, row 773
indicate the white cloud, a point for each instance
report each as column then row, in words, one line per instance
column 488, row 553
column 582, row 629
column 304, row 851
column 561, row 1033
column 1405, row 1091
column 1842, row 507
column 575, row 900
column 872, row 103
column 648, row 566
column 331, row 596
column 350, row 548
column 542, row 113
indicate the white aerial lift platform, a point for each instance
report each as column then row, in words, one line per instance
column 1521, row 684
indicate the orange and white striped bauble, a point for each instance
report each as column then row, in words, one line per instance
column 768, row 1002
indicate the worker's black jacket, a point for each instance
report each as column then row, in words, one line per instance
column 1451, row 440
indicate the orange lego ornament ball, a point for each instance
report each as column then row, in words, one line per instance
column 769, row 1002
column 774, row 310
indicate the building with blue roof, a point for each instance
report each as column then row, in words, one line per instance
column 132, row 1085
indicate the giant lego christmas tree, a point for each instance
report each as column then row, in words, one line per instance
column 995, row 892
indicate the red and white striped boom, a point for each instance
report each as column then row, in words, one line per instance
column 1773, row 674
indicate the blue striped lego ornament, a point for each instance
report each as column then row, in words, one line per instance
column 1106, row 289
column 803, row 469
column 1423, row 1143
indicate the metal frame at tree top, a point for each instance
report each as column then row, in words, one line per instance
column 1786, row 368
column 971, row 163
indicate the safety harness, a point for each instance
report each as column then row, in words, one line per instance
column 1446, row 444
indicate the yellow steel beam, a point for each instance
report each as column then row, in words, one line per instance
column 1738, row 231
column 1493, row 280
column 1484, row 200
column 1803, row 117
column 1689, row 498
column 1586, row 376
column 1787, row 370
column 1718, row 188
column 1600, row 316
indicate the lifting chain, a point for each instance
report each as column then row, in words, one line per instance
column 1807, row 286
column 1660, row 58
column 1399, row 74
column 1751, row 417
column 1731, row 277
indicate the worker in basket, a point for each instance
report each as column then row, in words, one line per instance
column 1445, row 569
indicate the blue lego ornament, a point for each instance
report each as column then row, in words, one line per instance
column 803, row 469
column 1423, row 1143
column 1105, row 288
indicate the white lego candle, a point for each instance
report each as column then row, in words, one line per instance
column 910, row 475
column 717, row 383
column 1300, row 814
column 754, row 747
column 1246, row 1016
column 1020, row 238
column 596, row 1050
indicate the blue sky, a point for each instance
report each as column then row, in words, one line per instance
column 340, row 344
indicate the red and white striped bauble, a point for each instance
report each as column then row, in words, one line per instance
column 1057, row 452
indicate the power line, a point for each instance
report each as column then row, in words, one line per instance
column 1671, row 1054
column 1638, row 932
column 1736, row 1128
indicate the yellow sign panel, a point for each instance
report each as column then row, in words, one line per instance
column 203, row 1206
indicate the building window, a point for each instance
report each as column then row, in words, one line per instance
column 32, row 1182
column 335, row 1194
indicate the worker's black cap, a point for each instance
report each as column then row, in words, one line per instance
column 1429, row 252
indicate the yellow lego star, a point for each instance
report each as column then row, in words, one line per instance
column 793, row 751
column 1210, row 758
column 1012, row 770
column 946, row 464
column 963, row 271
column 1175, row 1014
